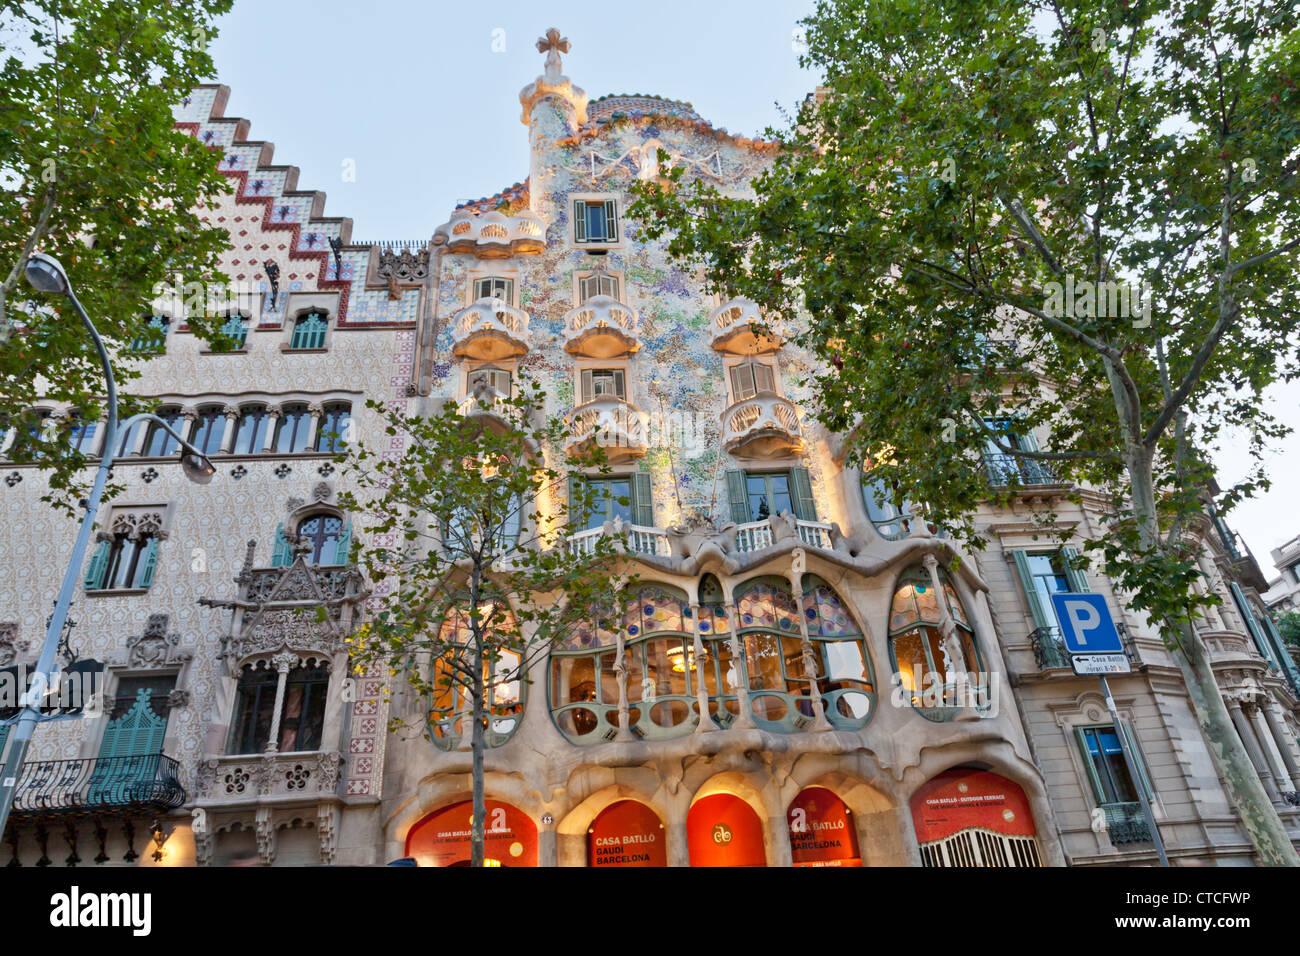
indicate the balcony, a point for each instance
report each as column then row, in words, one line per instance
column 602, row 327
column 1049, row 648
column 269, row 778
column 757, row 535
column 640, row 540
column 609, row 423
column 99, row 785
column 495, row 236
column 1125, row 823
column 489, row 408
column 1008, row 469
column 765, row 426
column 489, row 330
column 738, row 327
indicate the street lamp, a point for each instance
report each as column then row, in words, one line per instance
column 45, row 274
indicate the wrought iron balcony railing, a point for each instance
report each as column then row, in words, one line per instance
column 1005, row 469
column 1126, row 824
column 99, row 784
column 1049, row 648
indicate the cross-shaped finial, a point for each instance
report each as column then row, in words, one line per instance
column 553, row 45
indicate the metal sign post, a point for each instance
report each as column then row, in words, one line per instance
column 1095, row 649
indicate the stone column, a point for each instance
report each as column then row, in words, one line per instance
column 317, row 411
column 189, row 415
column 232, row 425
column 1282, row 738
column 1247, row 734
column 810, row 655
column 620, row 674
column 679, row 853
column 282, row 663
column 273, row 416
column 778, row 841
column 701, row 690
column 745, row 719
column 1264, row 734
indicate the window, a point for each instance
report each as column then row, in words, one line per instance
column 309, row 330
column 81, row 434
column 892, row 521
column 939, row 676
column 459, row 530
column 294, row 431
column 598, row 283
column 209, row 429
column 302, row 717
column 495, row 287
column 250, row 432
column 503, row 686
column 1107, row 771
column 332, row 434
column 603, row 383
column 153, row 337
column 612, row 499
column 758, row 496
column 1045, row 574
column 495, row 378
column 329, row 537
column 595, row 220
column 160, row 443
column 235, row 331
column 1003, row 467
column 752, row 378
column 124, row 562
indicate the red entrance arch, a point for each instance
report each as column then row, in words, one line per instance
column 442, row 838
column 626, row 833
column 723, row 830
column 821, row 830
column 969, row 817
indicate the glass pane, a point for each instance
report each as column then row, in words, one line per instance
column 665, row 667
column 912, row 669
column 781, row 494
column 756, row 487
column 845, row 660
column 763, row 657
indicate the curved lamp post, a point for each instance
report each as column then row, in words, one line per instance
column 45, row 274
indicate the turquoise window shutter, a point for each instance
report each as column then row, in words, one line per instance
column 1140, row 760
column 344, row 544
column 1043, row 616
column 98, row 567
column 148, row 564
column 1078, row 580
column 281, row 555
column 643, row 511
column 805, row 507
column 1251, row 624
column 738, row 497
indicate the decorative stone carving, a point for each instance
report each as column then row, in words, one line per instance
column 155, row 647
column 327, row 815
column 178, row 698
column 403, row 265
column 322, row 491
column 9, row 646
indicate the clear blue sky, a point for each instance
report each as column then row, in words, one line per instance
column 414, row 93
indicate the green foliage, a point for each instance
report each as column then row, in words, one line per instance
column 95, row 173
column 967, row 155
column 1288, row 625
column 441, row 523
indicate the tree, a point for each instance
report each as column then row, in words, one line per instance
column 477, row 587
column 1288, row 625
column 1068, row 217
column 94, row 172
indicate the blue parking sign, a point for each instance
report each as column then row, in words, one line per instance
column 1085, row 622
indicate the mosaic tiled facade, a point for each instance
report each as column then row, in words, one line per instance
column 768, row 562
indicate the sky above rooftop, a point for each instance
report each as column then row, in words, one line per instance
column 401, row 111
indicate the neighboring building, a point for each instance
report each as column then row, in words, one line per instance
column 1283, row 592
column 236, row 733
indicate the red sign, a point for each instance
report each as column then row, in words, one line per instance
column 821, row 830
column 627, row 833
column 723, row 830
column 959, row 799
column 443, row 837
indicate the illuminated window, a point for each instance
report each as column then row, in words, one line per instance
column 939, row 676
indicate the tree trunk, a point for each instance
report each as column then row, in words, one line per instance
column 1258, row 814
column 476, row 747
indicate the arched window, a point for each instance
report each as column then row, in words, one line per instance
column 209, row 429
column 294, row 431
column 81, row 434
column 939, row 676
column 250, row 431
column 780, row 692
column 892, row 521
column 332, row 434
column 159, row 443
column 309, row 330
column 302, row 716
column 503, row 680
column 659, row 654
column 324, row 533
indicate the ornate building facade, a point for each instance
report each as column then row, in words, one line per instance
column 791, row 666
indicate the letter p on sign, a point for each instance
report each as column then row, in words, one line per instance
column 1086, row 626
